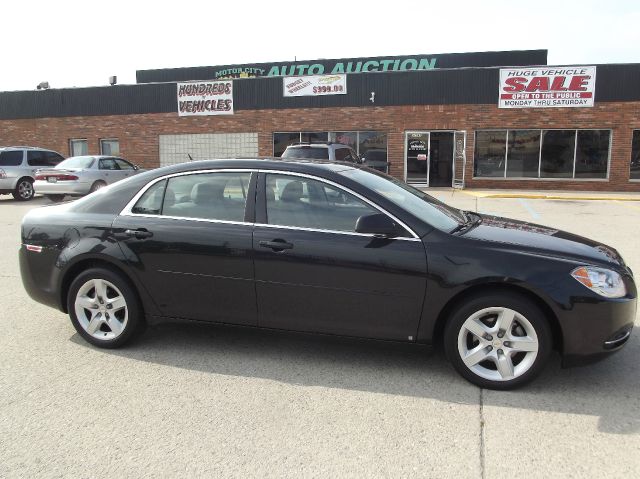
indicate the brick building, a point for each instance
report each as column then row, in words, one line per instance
column 482, row 120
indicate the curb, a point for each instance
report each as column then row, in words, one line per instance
column 553, row 197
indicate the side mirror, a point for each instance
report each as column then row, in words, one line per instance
column 378, row 224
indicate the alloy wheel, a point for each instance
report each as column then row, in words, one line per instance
column 25, row 190
column 498, row 344
column 101, row 309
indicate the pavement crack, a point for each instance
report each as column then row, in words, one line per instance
column 482, row 438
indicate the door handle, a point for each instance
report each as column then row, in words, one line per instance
column 276, row 244
column 140, row 233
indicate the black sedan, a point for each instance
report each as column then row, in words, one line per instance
column 327, row 248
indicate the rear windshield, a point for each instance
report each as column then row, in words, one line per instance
column 11, row 158
column 307, row 152
column 77, row 162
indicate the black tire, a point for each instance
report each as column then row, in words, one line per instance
column 532, row 364
column 24, row 190
column 97, row 185
column 56, row 198
column 134, row 324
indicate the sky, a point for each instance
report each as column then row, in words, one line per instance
column 72, row 43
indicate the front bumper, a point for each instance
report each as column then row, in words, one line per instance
column 593, row 331
column 61, row 188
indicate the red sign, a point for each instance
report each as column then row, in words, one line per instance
column 547, row 87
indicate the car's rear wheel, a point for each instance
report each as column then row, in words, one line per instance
column 24, row 190
column 498, row 341
column 104, row 308
column 96, row 186
column 56, row 198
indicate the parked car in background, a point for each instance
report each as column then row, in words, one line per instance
column 80, row 175
column 322, row 151
column 328, row 248
column 18, row 165
column 376, row 159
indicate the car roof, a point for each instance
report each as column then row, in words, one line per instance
column 6, row 148
column 270, row 163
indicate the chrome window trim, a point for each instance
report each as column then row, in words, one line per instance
column 126, row 211
column 343, row 188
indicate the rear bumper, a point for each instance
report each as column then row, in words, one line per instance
column 61, row 188
column 33, row 268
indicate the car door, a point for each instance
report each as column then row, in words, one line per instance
column 315, row 273
column 110, row 171
column 187, row 240
column 126, row 168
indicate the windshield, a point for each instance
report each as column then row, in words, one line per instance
column 307, row 152
column 77, row 162
column 416, row 202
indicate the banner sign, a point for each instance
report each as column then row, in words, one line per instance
column 205, row 98
column 547, row 87
column 339, row 66
column 315, row 85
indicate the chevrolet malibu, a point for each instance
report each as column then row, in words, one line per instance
column 327, row 248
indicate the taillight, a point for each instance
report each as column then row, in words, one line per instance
column 57, row 177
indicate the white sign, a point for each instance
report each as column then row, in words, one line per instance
column 547, row 87
column 205, row 98
column 316, row 85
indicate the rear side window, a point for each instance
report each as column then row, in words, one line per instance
column 53, row 158
column 11, row 158
column 307, row 152
column 37, row 158
column 150, row 203
column 108, row 164
column 212, row 196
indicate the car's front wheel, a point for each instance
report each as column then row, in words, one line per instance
column 498, row 341
column 104, row 308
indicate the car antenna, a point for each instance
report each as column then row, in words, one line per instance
column 189, row 155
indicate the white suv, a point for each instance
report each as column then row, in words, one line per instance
column 322, row 151
column 18, row 165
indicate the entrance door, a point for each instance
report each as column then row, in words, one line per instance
column 441, row 158
column 429, row 157
column 417, row 155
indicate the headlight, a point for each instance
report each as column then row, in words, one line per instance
column 605, row 282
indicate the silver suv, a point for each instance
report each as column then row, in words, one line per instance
column 322, row 151
column 18, row 165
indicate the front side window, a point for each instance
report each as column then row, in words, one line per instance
column 307, row 203
column 122, row 164
column 214, row 196
column 78, row 147
column 634, row 167
column 11, row 158
column 110, row 146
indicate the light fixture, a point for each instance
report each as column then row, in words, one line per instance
column 43, row 85
column 113, row 80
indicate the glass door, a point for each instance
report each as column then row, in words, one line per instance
column 417, row 157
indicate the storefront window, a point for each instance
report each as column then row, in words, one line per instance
column 369, row 144
column 312, row 136
column 282, row 140
column 582, row 154
column 372, row 145
column 634, row 168
column 523, row 153
column 558, row 148
column 592, row 153
column 349, row 138
column 491, row 149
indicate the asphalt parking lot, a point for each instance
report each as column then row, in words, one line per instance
column 213, row 401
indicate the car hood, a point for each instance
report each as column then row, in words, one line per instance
column 540, row 239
